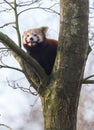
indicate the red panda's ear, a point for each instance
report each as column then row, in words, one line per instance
column 44, row 29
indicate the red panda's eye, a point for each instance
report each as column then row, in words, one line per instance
column 35, row 35
column 27, row 35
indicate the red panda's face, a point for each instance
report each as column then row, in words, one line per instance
column 34, row 36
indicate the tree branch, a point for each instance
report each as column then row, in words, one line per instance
column 6, row 126
column 88, row 77
column 43, row 8
column 13, row 84
column 7, row 24
column 9, row 67
column 17, row 24
column 9, row 3
column 27, row 3
column 88, row 82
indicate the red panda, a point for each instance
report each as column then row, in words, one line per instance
column 42, row 49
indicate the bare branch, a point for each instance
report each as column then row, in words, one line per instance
column 88, row 77
column 9, row 67
column 4, row 52
column 4, row 48
column 27, row 90
column 53, row 5
column 13, row 84
column 5, row 2
column 6, row 126
column 7, row 24
column 88, row 82
column 17, row 24
column 2, row 3
column 49, row 9
column 5, row 10
column 9, row 3
column 3, row 65
column 28, row 3
column 91, row 8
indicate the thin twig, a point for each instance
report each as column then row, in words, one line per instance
column 4, row 52
column 9, row 67
column 88, row 77
column 7, row 24
column 13, row 84
column 5, row 10
column 17, row 24
column 4, row 48
column 2, row 3
column 38, row 7
column 6, row 126
column 88, row 82
column 9, row 4
column 27, row 3
column 5, row 2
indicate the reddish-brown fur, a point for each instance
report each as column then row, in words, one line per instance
column 44, row 52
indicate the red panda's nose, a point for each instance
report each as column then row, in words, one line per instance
column 31, row 39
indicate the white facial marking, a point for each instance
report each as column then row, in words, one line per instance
column 40, row 38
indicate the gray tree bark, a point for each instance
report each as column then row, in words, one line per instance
column 60, row 100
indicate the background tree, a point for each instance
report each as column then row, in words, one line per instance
column 60, row 94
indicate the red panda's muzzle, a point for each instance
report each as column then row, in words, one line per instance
column 31, row 42
column 31, row 39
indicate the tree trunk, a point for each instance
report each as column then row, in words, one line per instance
column 60, row 100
